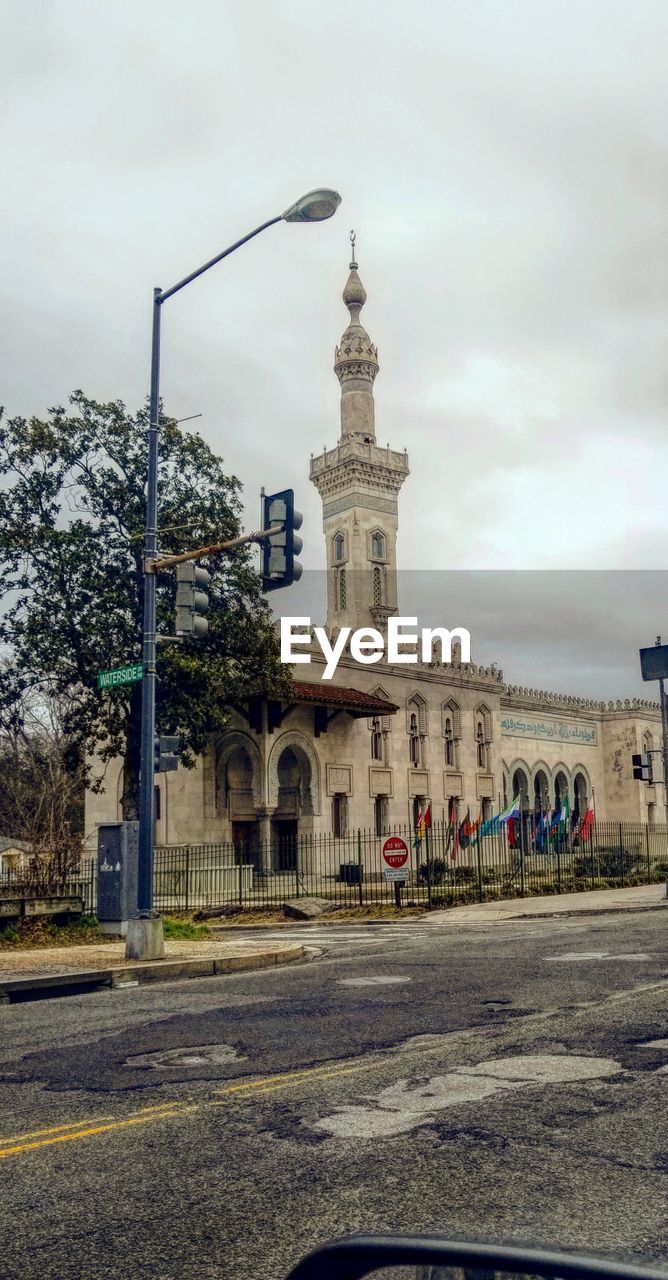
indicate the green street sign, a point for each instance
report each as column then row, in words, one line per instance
column 120, row 675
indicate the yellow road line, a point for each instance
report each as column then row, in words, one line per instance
column 93, row 1131
column 57, row 1128
column 170, row 1110
column 312, row 1073
column 321, row 1075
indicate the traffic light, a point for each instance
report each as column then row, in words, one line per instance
column 166, row 751
column 642, row 768
column 280, row 567
column 191, row 602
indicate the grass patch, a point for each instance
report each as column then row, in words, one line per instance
column 178, row 930
column 30, row 934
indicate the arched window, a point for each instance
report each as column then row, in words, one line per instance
column 377, row 742
column 451, row 721
column 339, row 548
column 449, row 742
column 377, row 586
column 483, row 735
column 414, row 741
column 416, row 725
column 378, row 545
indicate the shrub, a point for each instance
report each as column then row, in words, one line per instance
column 611, row 862
column 439, row 871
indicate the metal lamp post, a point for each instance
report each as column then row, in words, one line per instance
column 145, row 936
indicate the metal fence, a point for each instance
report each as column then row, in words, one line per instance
column 25, row 882
column 439, row 872
column 350, row 869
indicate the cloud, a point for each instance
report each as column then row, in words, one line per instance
column 505, row 167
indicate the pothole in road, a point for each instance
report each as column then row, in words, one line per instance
column 571, row 956
column 376, row 980
column 408, row 1104
column 200, row 1055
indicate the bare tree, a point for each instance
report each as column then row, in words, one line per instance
column 42, row 783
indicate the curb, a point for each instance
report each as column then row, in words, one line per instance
column 431, row 917
column 566, row 912
column 44, row 986
column 318, row 920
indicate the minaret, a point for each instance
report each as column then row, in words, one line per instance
column 359, row 485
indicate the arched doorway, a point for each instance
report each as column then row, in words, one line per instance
column 520, row 787
column 541, row 792
column 518, row 831
column 285, row 823
column 580, row 797
column 560, row 790
column 237, row 780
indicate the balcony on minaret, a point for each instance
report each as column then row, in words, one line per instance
column 355, row 462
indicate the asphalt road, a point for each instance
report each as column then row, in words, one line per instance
column 505, row 1081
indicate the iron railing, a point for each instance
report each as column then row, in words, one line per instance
column 349, row 869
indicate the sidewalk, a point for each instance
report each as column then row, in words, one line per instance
column 59, row 970
column 645, row 897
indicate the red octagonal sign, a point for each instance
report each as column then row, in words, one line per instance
column 395, row 852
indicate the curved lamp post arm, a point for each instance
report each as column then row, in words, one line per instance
column 315, row 206
column 167, row 293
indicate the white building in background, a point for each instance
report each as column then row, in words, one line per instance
column 376, row 744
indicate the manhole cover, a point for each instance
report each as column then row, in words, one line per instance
column 194, row 1055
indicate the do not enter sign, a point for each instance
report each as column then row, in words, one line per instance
column 395, row 858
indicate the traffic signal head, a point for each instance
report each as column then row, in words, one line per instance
column 642, row 768
column 191, row 602
column 166, row 751
column 280, row 566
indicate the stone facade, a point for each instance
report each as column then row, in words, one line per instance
column 454, row 734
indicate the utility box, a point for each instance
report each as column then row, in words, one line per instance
column 117, row 860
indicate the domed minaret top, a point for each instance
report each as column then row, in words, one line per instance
column 356, row 364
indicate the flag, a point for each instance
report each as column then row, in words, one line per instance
column 422, row 826
column 540, row 831
column 492, row 825
column 418, row 831
column 585, row 825
column 489, row 827
column 511, row 811
column 465, row 831
column 476, row 829
column 561, row 818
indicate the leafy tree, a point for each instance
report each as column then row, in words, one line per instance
column 72, row 512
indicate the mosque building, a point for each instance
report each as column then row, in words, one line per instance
column 373, row 746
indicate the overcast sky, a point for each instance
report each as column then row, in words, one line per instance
column 504, row 163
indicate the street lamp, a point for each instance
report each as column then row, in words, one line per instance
column 145, row 936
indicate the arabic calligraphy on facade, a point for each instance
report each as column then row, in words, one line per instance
column 560, row 730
